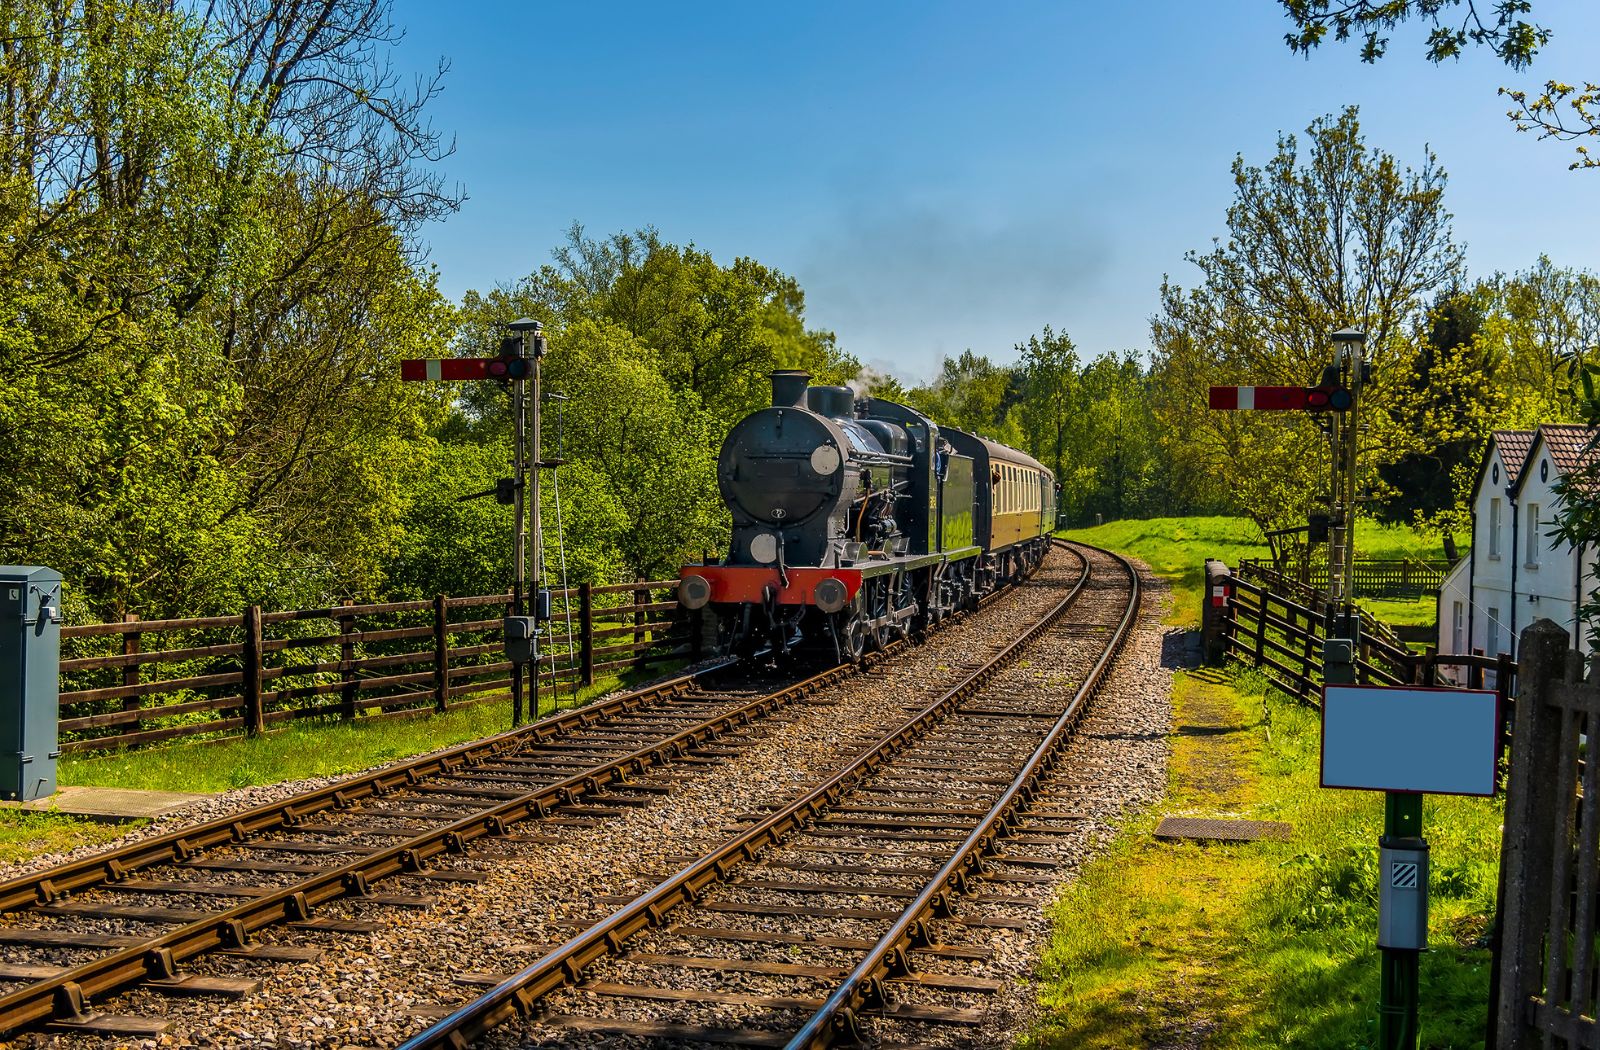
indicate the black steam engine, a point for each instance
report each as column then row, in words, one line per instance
column 859, row 521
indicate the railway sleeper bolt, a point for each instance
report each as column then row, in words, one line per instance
column 181, row 850
column 159, row 965
column 411, row 775
column 919, row 934
column 116, row 871
column 340, row 800
column 355, row 884
column 239, row 832
column 941, row 906
column 296, row 907
column 495, row 825
column 454, row 843
column 874, row 994
column 47, row 892
column 69, row 1003
column 411, row 862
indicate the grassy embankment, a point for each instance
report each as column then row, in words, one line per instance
column 1264, row 944
column 302, row 750
column 1176, row 548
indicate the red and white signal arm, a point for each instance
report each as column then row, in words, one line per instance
column 419, row 370
column 1258, row 398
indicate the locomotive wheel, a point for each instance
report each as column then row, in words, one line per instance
column 853, row 638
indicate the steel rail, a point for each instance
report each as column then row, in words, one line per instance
column 66, row 993
column 520, row 993
column 836, row 1018
column 174, row 846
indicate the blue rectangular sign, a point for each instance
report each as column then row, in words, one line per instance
column 1408, row 738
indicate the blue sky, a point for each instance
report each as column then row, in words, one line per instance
column 944, row 176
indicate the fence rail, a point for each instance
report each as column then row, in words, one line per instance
column 139, row 682
column 1284, row 637
column 1372, row 577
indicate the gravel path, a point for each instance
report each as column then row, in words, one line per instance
column 374, row 989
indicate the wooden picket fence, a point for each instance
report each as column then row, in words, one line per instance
column 141, row 682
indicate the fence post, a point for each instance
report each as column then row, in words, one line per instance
column 640, row 597
column 347, row 670
column 1308, row 648
column 586, row 624
column 1528, row 837
column 253, row 715
column 1261, row 626
column 131, row 646
column 441, row 652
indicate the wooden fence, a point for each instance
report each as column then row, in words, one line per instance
column 1543, row 988
column 144, row 681
column 1284, row 638
column 1373, row 577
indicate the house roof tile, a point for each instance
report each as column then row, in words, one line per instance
column 1514, row 447
column 1571, row 452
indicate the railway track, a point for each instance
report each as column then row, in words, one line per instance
column 844, row 915
column 79, row 933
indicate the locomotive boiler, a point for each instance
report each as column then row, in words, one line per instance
column 857, row 521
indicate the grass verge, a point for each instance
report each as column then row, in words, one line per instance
column 308, row 749
column 1176, row 548
column 1267, row 944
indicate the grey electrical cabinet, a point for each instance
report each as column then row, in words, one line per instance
column 30, row 669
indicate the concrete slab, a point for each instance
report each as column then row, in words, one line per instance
column 1211, row 829
column 111, row 805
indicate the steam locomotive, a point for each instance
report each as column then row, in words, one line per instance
column 858, row 521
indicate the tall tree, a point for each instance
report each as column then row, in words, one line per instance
column 1339, row 236
column 1560, row 111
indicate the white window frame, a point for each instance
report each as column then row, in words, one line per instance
column 1458, row 627
column 1494, row 528
column 1533, row 545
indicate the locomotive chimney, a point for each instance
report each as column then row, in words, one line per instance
column 789, row 388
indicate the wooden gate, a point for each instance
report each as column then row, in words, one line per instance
column 1545, row 994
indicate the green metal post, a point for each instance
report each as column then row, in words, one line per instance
column 1397, row 979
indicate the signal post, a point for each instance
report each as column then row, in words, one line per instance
column 1338, row 394
column 517, row 363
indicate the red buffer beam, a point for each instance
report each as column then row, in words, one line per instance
column 448, row 368
column 1259, row 398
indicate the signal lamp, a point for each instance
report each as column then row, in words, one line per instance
column 511, row 364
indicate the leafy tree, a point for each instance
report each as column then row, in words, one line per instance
column 972, row 393
column 205, row 278
column 1049, row 364
column 716, row 331
column 1560, row 111
column 1340, row 236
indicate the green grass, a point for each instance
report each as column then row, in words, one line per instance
column 26, row 835
column 1176, row 549
column 1263, row 944
column 303, row 750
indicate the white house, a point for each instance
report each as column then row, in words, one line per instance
column 1517, row 571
